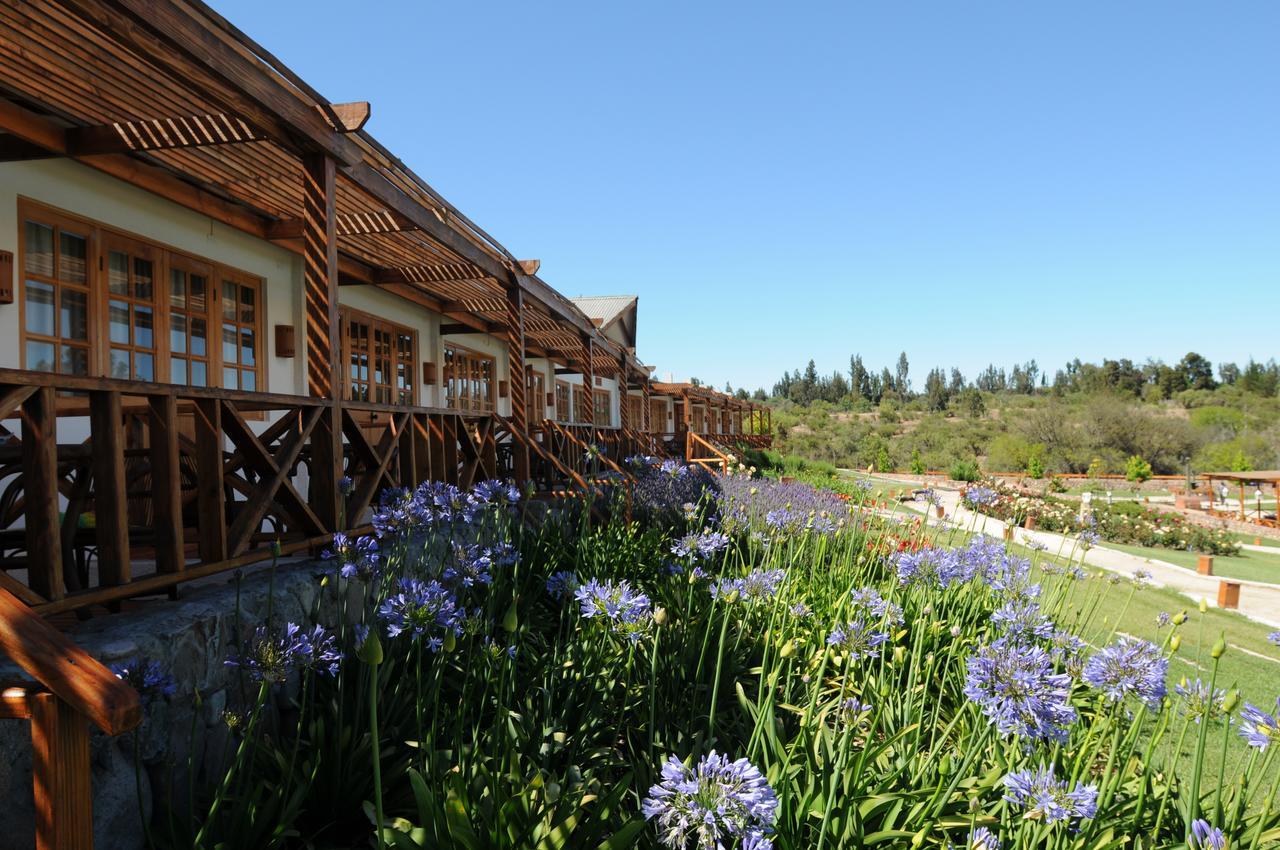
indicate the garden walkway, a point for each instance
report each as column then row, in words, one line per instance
column 1258, row 601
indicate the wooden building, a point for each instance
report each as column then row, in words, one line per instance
column 221, row 298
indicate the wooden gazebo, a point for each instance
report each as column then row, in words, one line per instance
column 1257, row 478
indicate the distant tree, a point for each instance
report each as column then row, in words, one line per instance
column 1197, row 372
column 1228, row 373
column 1259, row 378
column 991, row 380
column 901, row 376
column 970, row 402
column 886, row 383
column 760, row 395
column 743, row 395
column 936, row 391
column 697, row 382
column 859, row 377
column 837, row 389
column 957, row 381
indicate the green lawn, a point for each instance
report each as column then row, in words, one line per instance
column 1262, row 541
column 1247, row 566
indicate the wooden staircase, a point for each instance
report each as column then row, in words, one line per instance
column 74, row 689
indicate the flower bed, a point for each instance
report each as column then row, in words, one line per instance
column 1122, row 522
column 768, row 667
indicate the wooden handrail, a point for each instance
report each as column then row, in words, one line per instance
column 70, row 673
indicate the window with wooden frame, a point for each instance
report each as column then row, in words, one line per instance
column 657, row 416
column 700, row 419
column 189, row 349
column 56, row 294
column 469, row 380
column 99, row 302
column 600, row 408
column 535, row 393
column 241, row 300
column 130, row 268
column 635, row 412
column 564, row 401
column 379, row 357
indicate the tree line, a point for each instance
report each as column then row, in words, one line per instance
column 942, row 388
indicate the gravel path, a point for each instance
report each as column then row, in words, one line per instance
column 1258, row 601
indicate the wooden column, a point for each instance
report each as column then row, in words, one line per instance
column 518, row 381
column 110, row 502
column 210, row 502
column 40, row 492
column 166, row 483
column 646, row 410
column 60, row 775
column 624, row 394
column 587, row 404
column 320, row 290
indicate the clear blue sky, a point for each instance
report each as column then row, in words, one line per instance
column 970, row 182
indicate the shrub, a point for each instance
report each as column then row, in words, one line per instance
column 917, row 463
column 964, row 470
column 1035, row 467
column 1137, row 469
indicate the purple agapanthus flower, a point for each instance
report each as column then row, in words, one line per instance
column 1050, row 799
column 427, row 610
column 628, row 611
column 1129, row 667
column 978, row 496
column 868, row 600
column 355, row 558
column 1200, row 700
column 717, row 803
column 146, row 677
column 1206, row 836
column 562, row 584
column 1259, row 728
column 1274, row 637
column 272, row 658
column 1022, row 621
column 753, row 587
column 982, row 839
column 1016, row 687
column 857, row 639
column 700, row 546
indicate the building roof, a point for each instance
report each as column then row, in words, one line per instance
column 1260, row 475
column 605, row 311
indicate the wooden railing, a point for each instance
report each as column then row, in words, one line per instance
column 74, row 689
column 702, row 451
column 111, row 489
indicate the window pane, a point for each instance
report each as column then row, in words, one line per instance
column 178, row 289
column 246, row 347
column 229, row 301
column 119, row 365
column 247, row 305
column 199, row 376
column 74, row 322
column 229, row 381
column 248, row 380
column 142, row 327
column 177, row 333
column 40, row 317
column 178, row 370
column 71, row 265
column 38, row 249
column 143, row 279
column 199, row 334
column 39, row 356
column 144, row 367
column 118, row 320
column 118, row 273
column 75, row 361
column 229, row 344
column 198, row 294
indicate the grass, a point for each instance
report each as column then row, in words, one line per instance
column 1247, row 566
column 1269, row 542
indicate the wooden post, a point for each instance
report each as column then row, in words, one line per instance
column 110, row 501
column 1229, row 594
column 166, row 483
column 40, row 491
column 586, row 403
column 518, row 382
column 210, row 503
column 60, row 775
column 1205, row 565
column 320, row 291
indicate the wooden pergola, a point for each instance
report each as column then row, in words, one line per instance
column 1258, row 479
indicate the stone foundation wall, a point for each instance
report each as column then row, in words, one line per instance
column 190, row 638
